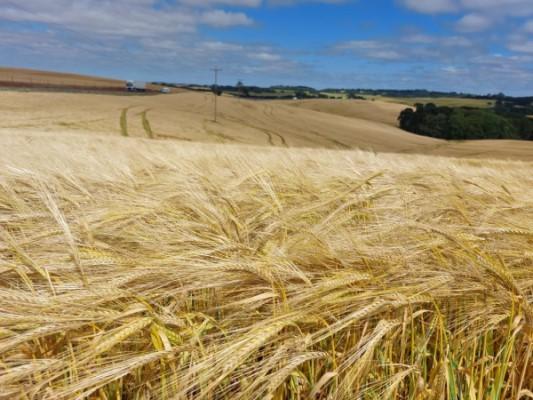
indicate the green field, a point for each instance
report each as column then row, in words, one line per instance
column 409, row 101
column 335, row 95
column 440, row 101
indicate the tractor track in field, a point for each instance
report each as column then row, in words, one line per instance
column 146, row 124
column 173, row 137
column 124, row 121
column 427, row 149
column 331, row 140
column 269, row 134
column 269, row 111
column 278, row 135
column 218, row 135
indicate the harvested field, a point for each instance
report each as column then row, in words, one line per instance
column 142, row 269
column 28, row 77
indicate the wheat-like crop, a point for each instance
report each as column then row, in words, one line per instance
column 140, row 270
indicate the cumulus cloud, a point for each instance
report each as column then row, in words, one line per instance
column 265, row 56
column 516, row 8
column 507, row 7
column 165, row 39
column 158, row 34
column 373, row 49
column 411, row 48
column 478, row 15
column 224, row 19
column 431, row 6
column 294, row 2
column 138, row 18
column 521, row 45
column 232, row 3
column 453, row 62
column 474, row 23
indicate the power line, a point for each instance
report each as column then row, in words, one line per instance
column 216, row 70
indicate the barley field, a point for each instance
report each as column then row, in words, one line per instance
column 187, row 116
column 140, row 269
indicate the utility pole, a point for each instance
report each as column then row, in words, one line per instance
column 216, row 70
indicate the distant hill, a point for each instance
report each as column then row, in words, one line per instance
column 22, row 77
column 188, row 116
column 376, row 111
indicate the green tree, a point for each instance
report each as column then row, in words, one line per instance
column 300, row 94
column 242, row 90
column 465, row 123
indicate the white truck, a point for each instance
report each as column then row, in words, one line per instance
column 136, row 86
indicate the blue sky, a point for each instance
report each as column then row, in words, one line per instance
column 477, row 46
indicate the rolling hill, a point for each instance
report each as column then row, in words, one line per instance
column 148, row 252
column 30, row 77
column 188, row 116
column 374, row 111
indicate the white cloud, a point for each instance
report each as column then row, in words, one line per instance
column 515, row 8
column 222, row 46
column 495, row 8
column 455, row 42
column 224, row 19
column 373, row 49
column 431, row 6
column 474, row 23
column 164, row 37
column 411, row 48
column 231, row 3
column 418, row 38
column 265, row 56
column 294, row 2
column 522, row 46
column 451, row 69
column 133, row 18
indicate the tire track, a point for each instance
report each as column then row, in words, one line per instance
column 124, row 122
column 331, row 140
column 268, row 110
column 174, row 137
column 220, row 136
column 146, row 124
column 281, row 138
column 295, row 129
column 428, row 149
column 269, row 134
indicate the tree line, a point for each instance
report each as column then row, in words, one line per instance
column 504, row 121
